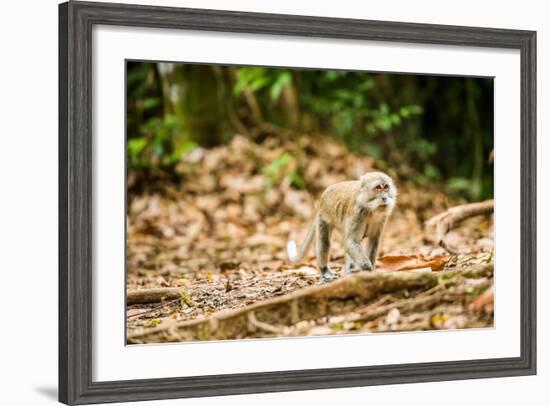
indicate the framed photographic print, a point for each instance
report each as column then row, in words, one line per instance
column 259, row 202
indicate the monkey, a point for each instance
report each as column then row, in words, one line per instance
column 359, row 209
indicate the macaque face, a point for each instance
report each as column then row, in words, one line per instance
column 380, row 191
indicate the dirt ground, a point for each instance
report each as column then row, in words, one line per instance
column 217, row 230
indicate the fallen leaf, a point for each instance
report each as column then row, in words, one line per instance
column 305, row 271
column 393, row 317
column 182, row 282
column 153, row 322
column 439, row 319
column 320, row 331
column 409, row 262
column 264, row 239
column 486, row 298
column 134, row 312
column 228, row 265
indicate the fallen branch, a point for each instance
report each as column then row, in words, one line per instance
column 441, row 224
column 473, row 271
column 153, row 309
column 156, row 295
column 271, row 316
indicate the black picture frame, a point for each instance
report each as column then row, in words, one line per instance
column 76, row 20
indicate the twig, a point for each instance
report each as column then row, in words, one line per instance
column 408, row 304
column 384, row 299
column 263, row 326
column 425, row 298
column 155, row 295
column 159, row 306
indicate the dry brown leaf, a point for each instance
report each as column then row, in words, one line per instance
column 408, row 262
column 264, row 239
column 135, row 312
column 221, row 229
column 486, row 298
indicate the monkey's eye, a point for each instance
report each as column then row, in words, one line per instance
column 378, row 187
column 386, row 187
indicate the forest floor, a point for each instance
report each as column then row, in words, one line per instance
column 217, row 229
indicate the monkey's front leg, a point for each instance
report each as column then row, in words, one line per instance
column 372, row 248
column 354, row 250
column 323, row 248
column 353, row 234
column 373, row 238
column 349, row 266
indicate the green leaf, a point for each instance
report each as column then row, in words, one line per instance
column 297, row 180
column 136, row 145
column 395, row 119
column 432, row 172
column 374, row 150
column 275, row 166
column 457, row 184
column 183, row 149
column 153, row 322
column 250, row 78
column 384, row 123
column 370, row 128
column 151, row 102
column 158, row 144
column 283, row 79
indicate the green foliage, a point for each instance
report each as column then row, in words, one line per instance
column 275, row 170
column 297, row 180
column 458, row 185
column 281, row 167
column 151, row 147
column 348, row 105
column 252, row 79
column 136, row 145
column 183, row 149
column 150, row 103
column 281, row 80
column 155, row 147
column 256, row 79
column 432, row 172
column 440, row 126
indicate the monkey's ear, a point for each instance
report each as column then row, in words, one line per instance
column 364, row 179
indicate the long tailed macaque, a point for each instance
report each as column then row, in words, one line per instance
column 358, row 209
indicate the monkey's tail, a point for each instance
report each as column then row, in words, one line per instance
column 295, row 254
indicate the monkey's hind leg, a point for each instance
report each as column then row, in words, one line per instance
column 323, row 248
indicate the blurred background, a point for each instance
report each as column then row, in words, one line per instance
column 226, row 163
column 437, row 129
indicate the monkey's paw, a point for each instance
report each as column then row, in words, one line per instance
column 326, row 274
column 349, row 269
column 366, row 265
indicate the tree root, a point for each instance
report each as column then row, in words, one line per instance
column 253, row 322
column 153, row 295
column 277, row 316
column 338, row 297
column 425, row 299
column 438, row 226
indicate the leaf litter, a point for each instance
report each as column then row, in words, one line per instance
column 218, row 228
